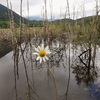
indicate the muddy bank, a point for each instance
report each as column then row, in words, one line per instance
column 5, row 47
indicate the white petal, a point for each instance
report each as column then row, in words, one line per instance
column 39, row 47
column 46, row 58
column 36, row 49
column 48, row 52
column 38, row 58
column 35, row 53
column 42, row 46
column 47, row 48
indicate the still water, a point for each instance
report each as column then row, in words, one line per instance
column 84, row 83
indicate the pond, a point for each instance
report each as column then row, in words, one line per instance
column 73, row 75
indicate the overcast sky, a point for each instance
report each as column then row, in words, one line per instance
column 58, row 7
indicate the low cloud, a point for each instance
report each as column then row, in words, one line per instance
column 36, row 7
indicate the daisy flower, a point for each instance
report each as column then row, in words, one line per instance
column 42, row 53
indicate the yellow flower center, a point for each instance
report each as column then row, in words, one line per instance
column 42, row 53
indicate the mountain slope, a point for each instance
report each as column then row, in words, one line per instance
column 4, row 15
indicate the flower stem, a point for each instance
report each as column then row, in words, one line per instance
column 53, row 80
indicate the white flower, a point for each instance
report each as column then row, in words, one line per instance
column 42, row 53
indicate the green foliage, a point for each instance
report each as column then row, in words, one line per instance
column 36, row 24
column 4, row 24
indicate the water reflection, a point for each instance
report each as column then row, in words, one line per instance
column 94, row 90
column 41, row 82
column 85, row 70
column 85, row 75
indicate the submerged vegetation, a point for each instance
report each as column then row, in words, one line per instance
column 67, row 34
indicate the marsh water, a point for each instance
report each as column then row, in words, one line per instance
column 75, row 73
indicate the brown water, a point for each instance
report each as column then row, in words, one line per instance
column 42, row 84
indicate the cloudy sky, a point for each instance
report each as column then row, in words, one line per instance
column 79, row 7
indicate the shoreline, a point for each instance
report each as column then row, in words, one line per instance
column 4, row 48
